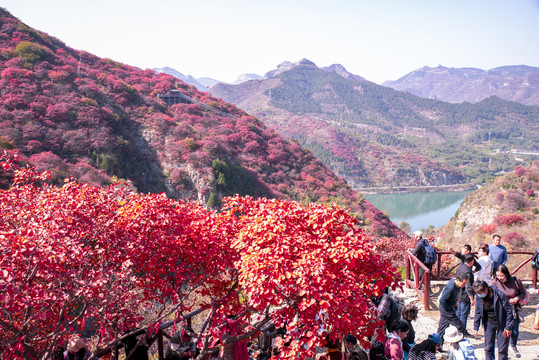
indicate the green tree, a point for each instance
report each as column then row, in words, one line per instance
column 404, row 226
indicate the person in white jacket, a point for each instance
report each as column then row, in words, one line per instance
column 486, row 263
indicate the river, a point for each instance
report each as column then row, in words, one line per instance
column 419, row 209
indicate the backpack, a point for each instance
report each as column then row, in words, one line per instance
column 535, row 260
column 430, row 253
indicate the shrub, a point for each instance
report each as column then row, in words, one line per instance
column 535, row 211
column 510, row 219
column 515, row 239
column 489, row 228
column 31, row 53
column 530, row 193
column 500, row 197
column 521, row 171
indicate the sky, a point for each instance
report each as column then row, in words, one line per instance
column 377, row 39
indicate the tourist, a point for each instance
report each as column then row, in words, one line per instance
column 393, row 349
column 409, row 314
column 459, row 348
column 466, row 249
column 426, row 350
column 388, row 310
column 495, row 312
column 354, row 352
column 420, row 253
column 334, row 348
column 180, row 345
column 516, row 293
column 487, row 265
column 448, row 304
column 76, row 349
column 467, row 295
column 498, row 252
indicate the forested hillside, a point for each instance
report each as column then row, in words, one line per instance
column 376, row 136
column 73, row 113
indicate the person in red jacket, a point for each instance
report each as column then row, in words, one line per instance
column 393, row 349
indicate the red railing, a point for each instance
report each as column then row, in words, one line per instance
column 413, row 264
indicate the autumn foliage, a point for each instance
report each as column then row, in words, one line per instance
column 105, row 260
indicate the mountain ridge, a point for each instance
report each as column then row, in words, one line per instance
column 375, row 136
column 75, row 114
column 519, row 83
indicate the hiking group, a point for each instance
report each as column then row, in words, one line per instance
column 486, row 285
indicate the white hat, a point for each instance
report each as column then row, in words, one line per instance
column 452, row 334
column 418, row 233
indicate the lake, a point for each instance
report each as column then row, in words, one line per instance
column 419, row 209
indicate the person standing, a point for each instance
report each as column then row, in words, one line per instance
column 448, row 304
column 466, row 249
column 420, row 253
column 498, row 252
column 487, row 265
column 513, row 288
column 495, row 312
column 467, row 295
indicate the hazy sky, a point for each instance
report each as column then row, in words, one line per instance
column 377, row 39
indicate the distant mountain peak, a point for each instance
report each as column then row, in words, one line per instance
column 517, row 83
column 341, row 70
column 246, row 77
column 287, row 65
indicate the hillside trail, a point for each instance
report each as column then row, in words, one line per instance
column 427, row 323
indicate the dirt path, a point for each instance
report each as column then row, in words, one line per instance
column 427, row 323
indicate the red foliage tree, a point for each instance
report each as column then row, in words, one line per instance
column 80, row 252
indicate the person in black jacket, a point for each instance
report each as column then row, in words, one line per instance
column 466, row 249
column 409, row 314
column 448, row 304
column 467, row 294
column 419, row 252
column 495, row 312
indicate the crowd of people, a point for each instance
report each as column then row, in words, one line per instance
column 484, row 284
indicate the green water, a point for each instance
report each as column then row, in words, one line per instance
column 419, row 209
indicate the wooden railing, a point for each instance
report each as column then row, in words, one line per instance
column 413, row 265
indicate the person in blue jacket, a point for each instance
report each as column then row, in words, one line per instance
column 495, row 312
column 498, row 252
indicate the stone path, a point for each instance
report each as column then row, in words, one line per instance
column 427, row 323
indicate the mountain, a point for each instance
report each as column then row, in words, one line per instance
column 247, row 77
column 376, row 137
column 518, row 83
column 507, row 206
column 185, row 78
column 207, row 82
column 75, row 114
column 204, row 83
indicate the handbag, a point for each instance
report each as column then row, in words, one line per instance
column 517, row 313
column 523, row 289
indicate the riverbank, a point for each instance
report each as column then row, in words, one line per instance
column 414, row 189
